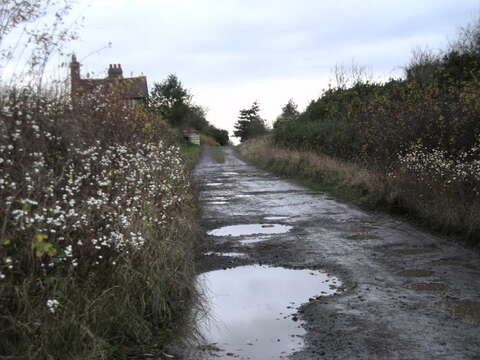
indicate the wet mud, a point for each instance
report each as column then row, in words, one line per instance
column 428, row 286
column 401, row 293
column 467, row 310
column 415, row 273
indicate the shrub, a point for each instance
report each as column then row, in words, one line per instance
column 92, row 254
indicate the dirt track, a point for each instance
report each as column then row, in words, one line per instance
column 409, row 294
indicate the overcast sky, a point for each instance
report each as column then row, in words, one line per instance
column 229, row 53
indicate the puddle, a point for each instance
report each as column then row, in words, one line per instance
column 214, row 184
column 254, row 240
column 241, row 196
column 415, row 273
column 252, row 310
column 217, row 202
column 229, row 254
column 250, row 229
column 428, row 286
column 467, row 310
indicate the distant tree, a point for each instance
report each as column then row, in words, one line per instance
column 423, row 65
column 170, row 100
column 195, row 117
column 290, row 110
column 468, row 40
column 219, row 135
column 249, row 123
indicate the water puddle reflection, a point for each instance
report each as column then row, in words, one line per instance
column 250, row 229
column 254, row 240
column 218, row 198
column 214, row 184
column 252, row 310
column 228, row 254
column 276, row 218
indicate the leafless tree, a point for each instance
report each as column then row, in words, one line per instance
column 347, row 76
column 31, row 31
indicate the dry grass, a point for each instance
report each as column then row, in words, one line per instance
column 318, row 170
column 138, row 307
column 449, row 212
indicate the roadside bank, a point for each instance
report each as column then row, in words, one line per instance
column 394, row 192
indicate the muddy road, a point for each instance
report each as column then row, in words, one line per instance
column 394, row 292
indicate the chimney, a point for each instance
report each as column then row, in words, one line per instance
column 115, row 71
column 74, row 68
column 74, row 79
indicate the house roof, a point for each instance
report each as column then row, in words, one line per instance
column 131, row 88
column 189, row 131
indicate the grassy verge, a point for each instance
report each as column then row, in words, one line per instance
column 191, row 154
column 395, row 192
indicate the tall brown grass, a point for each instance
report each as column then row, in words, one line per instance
column 398, row 190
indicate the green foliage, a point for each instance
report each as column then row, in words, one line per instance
column 173, row 102
column 170, row 100
column 191, row 154
column 289, row 113
column 375, row 122
column 249, row 123
column 290, row 110
column 219, row 135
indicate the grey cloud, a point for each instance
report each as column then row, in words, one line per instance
column 215, row 43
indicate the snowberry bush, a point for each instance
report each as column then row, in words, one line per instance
column 84, row 191
column 70, row 206
column 450, row 173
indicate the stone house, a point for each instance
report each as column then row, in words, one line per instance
column 133, row 90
